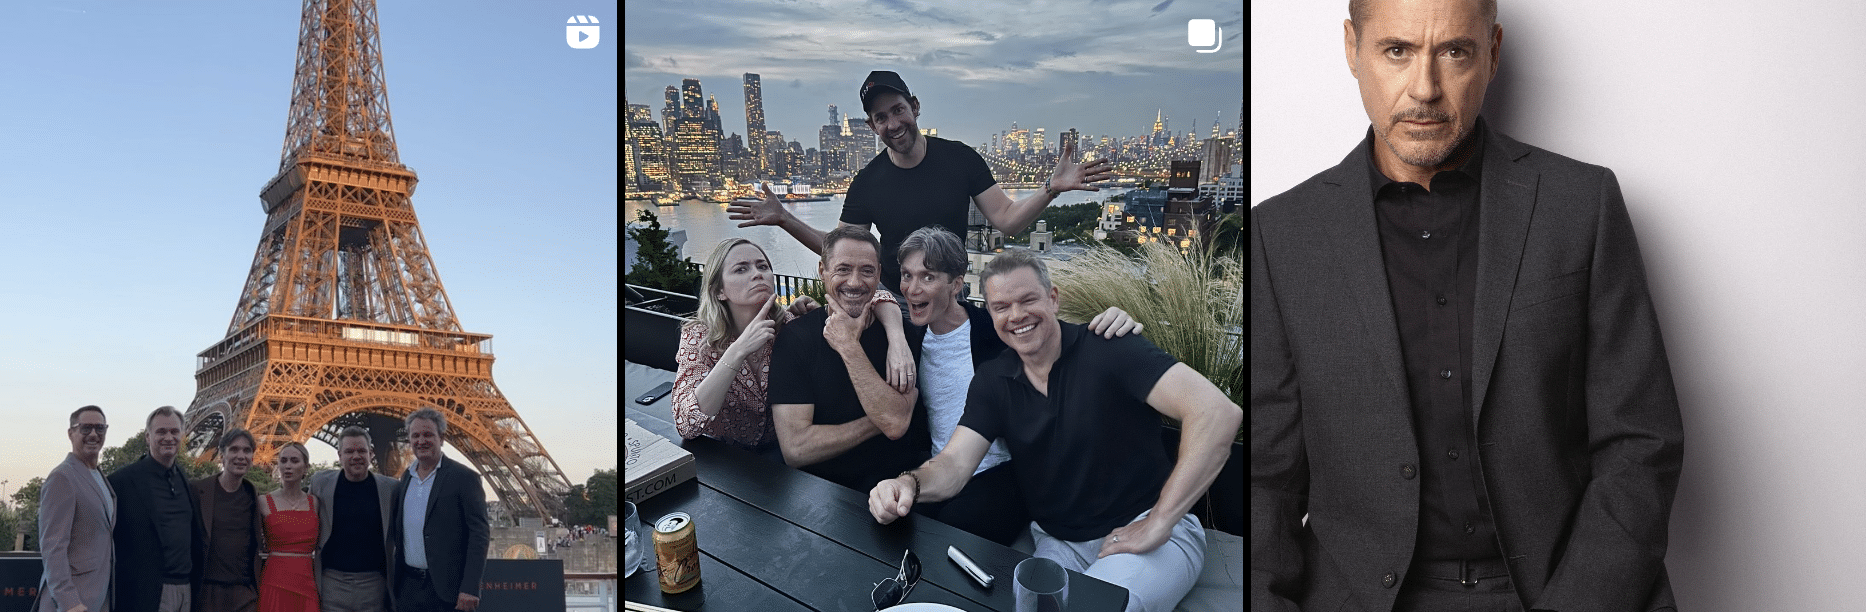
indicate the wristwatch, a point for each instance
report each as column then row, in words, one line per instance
column 910, row 474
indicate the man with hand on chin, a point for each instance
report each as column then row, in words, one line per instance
column 1081, row 415
column 828, row 398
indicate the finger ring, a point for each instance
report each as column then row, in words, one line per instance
column 1117, row 539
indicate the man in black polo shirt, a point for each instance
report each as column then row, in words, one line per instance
column 828, row 400
column 1081, row 415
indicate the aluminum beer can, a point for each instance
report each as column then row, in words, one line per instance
column 676, row 553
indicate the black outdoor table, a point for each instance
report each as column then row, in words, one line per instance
column 775, row 538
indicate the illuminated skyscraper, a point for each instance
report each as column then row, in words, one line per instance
column 651, row 170
column 755, row 124
column 671, row 110
column 696, row 140
column 629, row 171
column 692, row 103
column 712, row 116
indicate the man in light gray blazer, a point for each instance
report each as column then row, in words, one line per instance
column 76, row 514
column 353, row 505
column 1459, row 395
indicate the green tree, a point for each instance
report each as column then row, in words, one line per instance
column 592, row 502
column 1070, row 221
column 7, row 518
column 26, row 513
column 658, row 263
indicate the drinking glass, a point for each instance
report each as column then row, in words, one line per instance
column 631, row 540
column 1041, row 585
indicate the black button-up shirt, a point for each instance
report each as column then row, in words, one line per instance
column 1429, row 241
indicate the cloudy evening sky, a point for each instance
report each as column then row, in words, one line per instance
column 1102, row 67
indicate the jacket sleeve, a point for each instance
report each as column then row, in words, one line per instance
column 58, row 501
column 478, row 533
column 1616, row 546
column 1279, row 481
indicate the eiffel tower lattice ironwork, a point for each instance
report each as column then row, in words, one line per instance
column 343, row 320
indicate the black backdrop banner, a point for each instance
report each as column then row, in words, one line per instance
column 522, row 585
column 19, row 580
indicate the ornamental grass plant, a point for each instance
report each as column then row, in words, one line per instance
column 1192, row 304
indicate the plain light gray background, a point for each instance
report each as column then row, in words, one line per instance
column 1735, row 129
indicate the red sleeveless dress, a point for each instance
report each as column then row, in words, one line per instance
column 287, row 585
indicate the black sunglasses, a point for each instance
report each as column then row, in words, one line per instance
column 891, row 592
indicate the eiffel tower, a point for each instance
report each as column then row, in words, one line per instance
column 343, row 320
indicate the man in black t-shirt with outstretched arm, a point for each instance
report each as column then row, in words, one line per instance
column 921, row 181
column 1081, row 415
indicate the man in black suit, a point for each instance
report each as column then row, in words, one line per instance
column 161, row 547
column 1459, row 395
column 440, row 526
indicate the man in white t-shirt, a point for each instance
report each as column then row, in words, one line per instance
column 954, row 337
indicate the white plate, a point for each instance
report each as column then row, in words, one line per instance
column 923, row 607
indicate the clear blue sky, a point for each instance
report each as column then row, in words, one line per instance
column 134, row 139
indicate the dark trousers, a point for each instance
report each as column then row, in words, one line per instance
column 414, row 592
column 1447, row 587
column 991, row 506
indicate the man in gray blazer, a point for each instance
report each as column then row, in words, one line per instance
column 77, row 510
column 353, row 553
column 1459, row 395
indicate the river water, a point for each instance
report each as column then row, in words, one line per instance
column 706, row 224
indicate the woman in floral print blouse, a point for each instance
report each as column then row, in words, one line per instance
column 725, row 351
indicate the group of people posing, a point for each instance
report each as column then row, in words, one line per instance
column 144, row 538
column 995, row 420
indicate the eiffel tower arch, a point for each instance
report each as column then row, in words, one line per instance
column 343, row 319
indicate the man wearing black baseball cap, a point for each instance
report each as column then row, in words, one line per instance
column 921, row 181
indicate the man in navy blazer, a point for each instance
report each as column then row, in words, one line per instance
column 439, row 523
column 1459, row 395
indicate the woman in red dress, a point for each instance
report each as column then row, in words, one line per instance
column 286, row 584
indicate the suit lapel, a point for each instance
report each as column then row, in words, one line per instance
column 1354, row 240
column 1507, row 203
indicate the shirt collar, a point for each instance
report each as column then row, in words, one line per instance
column 414, row 473
column 1472, row 167
column 1071, row 333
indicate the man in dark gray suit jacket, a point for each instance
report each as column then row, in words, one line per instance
column 1459, row 396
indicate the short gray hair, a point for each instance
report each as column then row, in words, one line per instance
column 944, row 252
column 165, row 410
column 352, row 431
column 435, row 416
column 1012, row 259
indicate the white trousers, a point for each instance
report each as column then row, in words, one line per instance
column 1155, row 581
